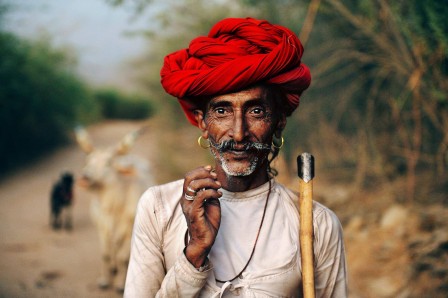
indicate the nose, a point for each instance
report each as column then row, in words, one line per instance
column 239, row 129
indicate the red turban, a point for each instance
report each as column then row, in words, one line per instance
column 236, row 54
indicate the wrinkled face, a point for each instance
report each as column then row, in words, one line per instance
column 240, row 127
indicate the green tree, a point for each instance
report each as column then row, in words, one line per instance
column 41, row 99
column 379, row 86
column 386, row 65
column 114, row 104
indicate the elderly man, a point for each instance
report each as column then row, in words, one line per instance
column 230, row 229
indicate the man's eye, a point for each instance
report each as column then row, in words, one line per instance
column 220, row 111
column 257, row 111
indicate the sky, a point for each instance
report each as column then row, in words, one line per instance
column 98, row 33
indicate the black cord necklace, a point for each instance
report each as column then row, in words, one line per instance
column 256, row 239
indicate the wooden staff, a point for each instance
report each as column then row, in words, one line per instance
column 305, row 165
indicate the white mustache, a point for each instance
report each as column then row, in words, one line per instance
column 232, row 145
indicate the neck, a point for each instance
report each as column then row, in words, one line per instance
column 242, row 183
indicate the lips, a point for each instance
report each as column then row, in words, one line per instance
column 236, row 154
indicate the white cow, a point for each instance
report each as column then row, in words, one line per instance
column 117, row 179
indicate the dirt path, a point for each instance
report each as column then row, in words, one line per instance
column 36, row 261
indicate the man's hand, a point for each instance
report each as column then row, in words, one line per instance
column 202, row 211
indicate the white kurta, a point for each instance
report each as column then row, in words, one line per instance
column 158, row 266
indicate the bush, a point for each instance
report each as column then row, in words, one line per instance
column 41, row 99
column 116, row 105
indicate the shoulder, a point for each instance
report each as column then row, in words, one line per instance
column 161, row 201
column 161, row 190
column 168, row 194
column 328, row 233
column 286, row 192
column 324, row 218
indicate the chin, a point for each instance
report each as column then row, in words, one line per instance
column 236, row 169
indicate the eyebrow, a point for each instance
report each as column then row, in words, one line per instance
column 228, row 103
column 220, row 103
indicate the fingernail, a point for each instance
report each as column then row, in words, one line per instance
column 208, row 167
column 219, row 183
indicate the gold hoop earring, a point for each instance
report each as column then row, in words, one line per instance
column 282, row 141
column 203, row 146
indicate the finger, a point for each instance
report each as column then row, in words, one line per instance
column 205, row 195
column 199, row 185
column 190, row 191
column 212, row 202
column 189, row 197
column 199, row 173
column 194, row 209
column 206, row 183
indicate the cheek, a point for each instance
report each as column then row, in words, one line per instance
column 216, row 128
column 262, row 130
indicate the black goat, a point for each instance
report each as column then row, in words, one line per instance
column 61, row 200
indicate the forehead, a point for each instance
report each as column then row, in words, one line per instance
column 241, row 97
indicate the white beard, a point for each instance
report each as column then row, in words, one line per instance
column 234, row 172
column 238, row 170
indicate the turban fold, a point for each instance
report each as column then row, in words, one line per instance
column 236, row 54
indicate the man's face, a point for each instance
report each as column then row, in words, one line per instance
column 240, row 127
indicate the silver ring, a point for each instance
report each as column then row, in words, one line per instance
column 189, row 198
column 191, row 190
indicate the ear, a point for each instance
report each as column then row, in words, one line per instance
column 129, row 140
column 280, row 126
column 200, row 119
column 83, row 139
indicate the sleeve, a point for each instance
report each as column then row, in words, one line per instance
column 329, row 251
column 147, row 275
